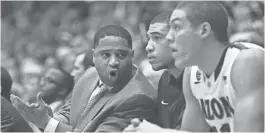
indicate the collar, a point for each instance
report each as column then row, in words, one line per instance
column 100, row 82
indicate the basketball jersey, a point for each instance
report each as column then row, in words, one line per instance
column 215, row 94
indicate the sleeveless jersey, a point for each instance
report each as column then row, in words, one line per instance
column 215, row 94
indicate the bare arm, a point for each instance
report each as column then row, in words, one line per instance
column 249, row 112
column 64, row 114
column 193, row 116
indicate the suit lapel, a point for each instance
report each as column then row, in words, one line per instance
column 97, row 107
column 89, row 87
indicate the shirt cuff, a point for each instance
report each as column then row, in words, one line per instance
column 51, row 126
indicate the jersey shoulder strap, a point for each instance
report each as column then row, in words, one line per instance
column 238, row 45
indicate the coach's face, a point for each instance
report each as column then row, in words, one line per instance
column 185, row 39
column 158, row 51
column 113, row 59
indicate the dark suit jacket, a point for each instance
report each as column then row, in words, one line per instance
column 170, row 92
column 114, row 110
column 11, row 120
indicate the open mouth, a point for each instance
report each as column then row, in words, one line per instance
column 113, row 73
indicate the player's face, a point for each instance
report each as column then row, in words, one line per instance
column 112, row 59
column 185, row 39
column 158, row 52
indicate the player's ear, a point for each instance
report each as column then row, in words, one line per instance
column 205, row 30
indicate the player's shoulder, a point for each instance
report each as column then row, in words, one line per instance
column 248, row 66
column 249, row 52
column 248, row 60
column 245, row 45
column 250, row 56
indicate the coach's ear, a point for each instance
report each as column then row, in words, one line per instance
column 205, row 30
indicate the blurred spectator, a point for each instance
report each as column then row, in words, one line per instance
column 79, row 43
column 66, row 58
column 55, row 85
column 51, row 62
column 82, row 62
column 6, row 83
column 31, row 71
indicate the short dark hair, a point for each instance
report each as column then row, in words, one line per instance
column 6, row 83
column 207, row 11
column 112, row 30
column 162, row 17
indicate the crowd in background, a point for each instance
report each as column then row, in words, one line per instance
column 37, row 35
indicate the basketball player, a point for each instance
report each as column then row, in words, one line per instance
column 170, row 98
column 224, row 90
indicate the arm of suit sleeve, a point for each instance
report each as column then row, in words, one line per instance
column 139, row 106
column 60, row 121
column 64, row 114
column 7, row 122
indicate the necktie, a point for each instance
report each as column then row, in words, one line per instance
column 93, row 100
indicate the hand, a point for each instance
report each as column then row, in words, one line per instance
column 133, row 126
column 145, row 126
column 36, row 105
column 50, row 112
column 36, row 113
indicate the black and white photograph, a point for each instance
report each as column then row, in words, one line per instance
column 132, row 66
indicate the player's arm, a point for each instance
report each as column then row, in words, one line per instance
column 193, row 119
column 247, row 77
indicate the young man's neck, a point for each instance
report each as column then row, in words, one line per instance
column 211, row 57
column 175, row 71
